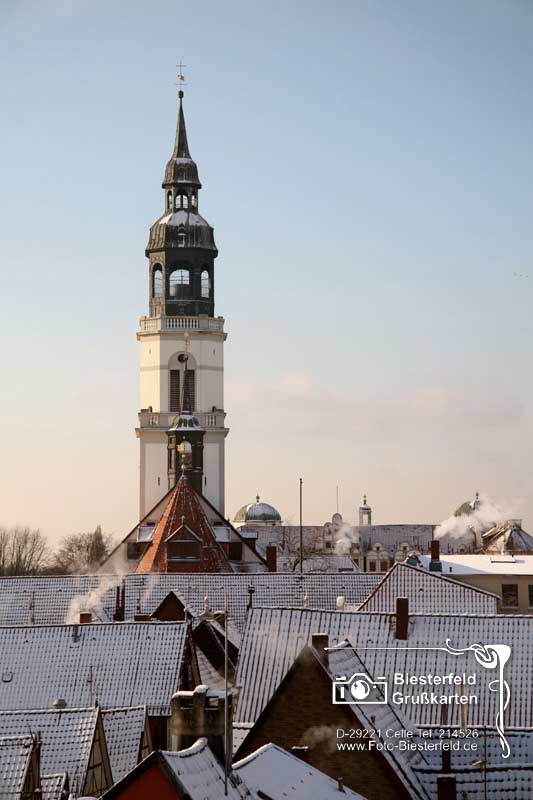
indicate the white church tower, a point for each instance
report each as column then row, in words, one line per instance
column 181, row 341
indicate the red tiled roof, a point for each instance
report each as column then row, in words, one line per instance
column 184, row 510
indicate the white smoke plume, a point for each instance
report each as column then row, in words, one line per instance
column 481, row 519
column 345, row 537
column 323, row 735
column 94, row 601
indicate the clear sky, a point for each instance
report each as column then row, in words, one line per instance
column 368, row 170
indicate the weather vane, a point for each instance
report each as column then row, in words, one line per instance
column 181, row 77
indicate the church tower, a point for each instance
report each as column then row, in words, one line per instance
column 181, row 341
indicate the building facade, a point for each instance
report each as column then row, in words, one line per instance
column 181, row 341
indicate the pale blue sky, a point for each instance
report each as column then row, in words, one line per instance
column 368, row 170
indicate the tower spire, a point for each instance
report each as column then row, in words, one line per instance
column 181, row 147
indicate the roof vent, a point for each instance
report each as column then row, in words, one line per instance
column 59, row 703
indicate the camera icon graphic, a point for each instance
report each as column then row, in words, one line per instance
column 361, row 689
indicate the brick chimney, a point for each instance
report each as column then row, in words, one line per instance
column 319, row 642
column 435, row 565
column 200, row 713
column 446, row 788
column 271, row 558
column 402, row 618
column 85, row 617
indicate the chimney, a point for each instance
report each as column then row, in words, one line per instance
column 271, row 557
column 402, row 618
column 301, row 752
column 197, row 714
column 85, row 617
column 446, row 788
column 435, row 565
column 319, row 643
column 340, row 784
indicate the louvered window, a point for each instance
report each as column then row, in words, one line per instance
column 189, row 401
column 175, row 390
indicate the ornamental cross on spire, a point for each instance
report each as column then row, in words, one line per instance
column 181, row 78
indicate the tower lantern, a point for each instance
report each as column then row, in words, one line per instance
column 365, row 513
column 181, row 341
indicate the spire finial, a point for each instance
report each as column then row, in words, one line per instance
column 257, row 498
column 181, row 148
column 364, row 499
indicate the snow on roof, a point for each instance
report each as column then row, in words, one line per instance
column 53, row 598
column 392, row 536
column 503, row 782
column 41, row 663
column 274, row 637
column 124, row 730
column 66, row 738
column 53, row 787
column 149, row 591
column 277, row 773
column 483, row 563
column 427, row 592
column 15, row 757
column 318, row 564
column 201, row 775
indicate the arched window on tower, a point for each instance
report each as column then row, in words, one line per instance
column 177, row 202
column 157, row 281
column 185, row 201
column 179, row 283
column 205, row 284
column 169, row 199
column 194, row 200
column 184, row 455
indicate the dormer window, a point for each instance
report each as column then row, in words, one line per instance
column 184, row 545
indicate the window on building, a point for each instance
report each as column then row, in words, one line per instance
column 235, row 551
column 179, row 283
column 206, row 283
column 371, row 566
column 184, row 455
column 509, row 595
column 184, row 201
column 383, row 566
column 177, row 202
column 194, row 200
column 157, row 285
column 189, row 400
column 530, row 595
column 183, row 550
column 169, row 199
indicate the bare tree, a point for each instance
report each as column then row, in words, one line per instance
column 23, row 551
column 82, row 552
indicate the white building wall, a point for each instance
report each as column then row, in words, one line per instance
column 159, row 349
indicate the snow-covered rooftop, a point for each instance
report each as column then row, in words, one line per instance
column 117, row 664
column 320, row 591
column 427, row 592
column 279, row 774
column 52, row 600
column 66, row 738
column 274, row 637
column 15, row 758
column 201, row 774
column 485, row 563
column 124, row 731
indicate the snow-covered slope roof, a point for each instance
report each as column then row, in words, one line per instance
column 124, row 729
column 282, row 776
column 15, row 759
column 274, row 637
column 53, row 787
column 66, row 737
column 428, row 592
column 117, row 664
column 53, row 600
column 147, row 592
column 201, row 774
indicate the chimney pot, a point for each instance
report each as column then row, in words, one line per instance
column 402, row 618
column 319, row 642
column 446, row 788
column 435, row 565
column 271, row 558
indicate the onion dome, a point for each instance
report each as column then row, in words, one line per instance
column 258, row 512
